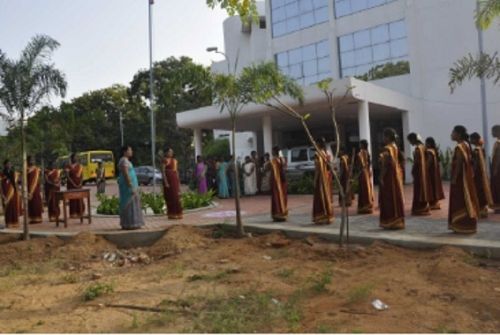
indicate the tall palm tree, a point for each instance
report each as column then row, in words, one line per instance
column 25, row 84
column 482, row 65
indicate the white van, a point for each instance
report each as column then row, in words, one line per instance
column 300, row 159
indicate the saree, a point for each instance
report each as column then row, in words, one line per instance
column 201, row 170
column 222, row 184
column 464, row 206
column 391, row 196
column 365, row 187
column 435, row 190
column 420, row 205
column 481, row 181
column 322, row 201
column 250, row 178
column 75, row 179
column 12, row 200
column 173, row 191
column 35, row 204
column 279, row 206
column 131, row 216
column 495, row 177
column 52, row 186
column 345, row 179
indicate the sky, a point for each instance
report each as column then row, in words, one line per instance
column 104, row 42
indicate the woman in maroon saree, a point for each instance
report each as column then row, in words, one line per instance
column 171, row 186
column 52, row 186
column 495, row 169
column 365, row 188
column 391, row 196
column 279, row 207
column 481, row 179
column 420, row 205
column 464, row 207
column 436, row 192
column 322, row 202
column 74, row 174
column 10, row 195
column 35, row 204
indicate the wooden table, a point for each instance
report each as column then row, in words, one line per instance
column 77, row 194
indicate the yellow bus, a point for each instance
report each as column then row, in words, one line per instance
column 89, row 161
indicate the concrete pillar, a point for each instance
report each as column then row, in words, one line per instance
column 267, row 134
column 197, row 142
column 364, row 123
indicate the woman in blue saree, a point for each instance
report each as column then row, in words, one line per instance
column 222, row 188
column 130, row 203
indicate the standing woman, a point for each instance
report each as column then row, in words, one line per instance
column 35, row 202
column 279, row 205
column 130, row 203
column 265, row 186
column 464, row 205
column 495, row 169
column 201, row 175
column 52, row 186
column 250, row 177
column 481, row 179
column 172, row 186
column 365, row 188
column 222, row 184
column 74, row 176
column 436, row 192
column 10, row 195
column 391, row 195
column 420, row 205
column 322, row 202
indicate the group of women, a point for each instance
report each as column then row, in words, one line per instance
column 11, row 196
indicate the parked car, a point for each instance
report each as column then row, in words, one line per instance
column 300, row 159
column 145, row 175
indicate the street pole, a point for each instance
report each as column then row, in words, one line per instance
column 484, row 107
column 121, row 128
column 151, row 94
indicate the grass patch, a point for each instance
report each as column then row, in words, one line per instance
column 320, row 283
column 360, row 293
column 324, row 329
column 96, row 290
column 222, row 231
column 285, row 273
column 70, row 278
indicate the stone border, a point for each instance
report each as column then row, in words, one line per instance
column 188, row 211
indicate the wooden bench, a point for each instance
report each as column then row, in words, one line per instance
column 77, row 194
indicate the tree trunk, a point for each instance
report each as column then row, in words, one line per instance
column 26, row 233
column 239, row 224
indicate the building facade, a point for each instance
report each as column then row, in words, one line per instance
column 348, row 39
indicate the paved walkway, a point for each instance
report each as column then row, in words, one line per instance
column 431, row 229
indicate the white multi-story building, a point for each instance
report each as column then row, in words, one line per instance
column 342, row 39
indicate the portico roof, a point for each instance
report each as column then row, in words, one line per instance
column 250, row 119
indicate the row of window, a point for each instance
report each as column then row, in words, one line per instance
column 364, row 49
column 288, row 16
column 293, row 15
column 307, row 64
column 359, row 52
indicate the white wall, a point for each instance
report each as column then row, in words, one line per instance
column 246, row 142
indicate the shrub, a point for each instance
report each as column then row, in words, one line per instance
column 191, row 200
column 217, row 148
column 155, row 202
column 108, row 205
column 302, row 185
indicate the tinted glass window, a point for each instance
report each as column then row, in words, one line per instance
column 288, row 16
column 299, row 155
column 348, row 7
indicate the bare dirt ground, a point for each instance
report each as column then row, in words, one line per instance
column 195, row 280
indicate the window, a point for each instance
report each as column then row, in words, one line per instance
column 299, row 155
column 364, row 49
column 348, row 7
column 308, row 64
column 288, row 16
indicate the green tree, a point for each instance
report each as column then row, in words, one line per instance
column 482, row 65
column 179, row 85
column 231, row 94
column 24, row 85
column 246, row 9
